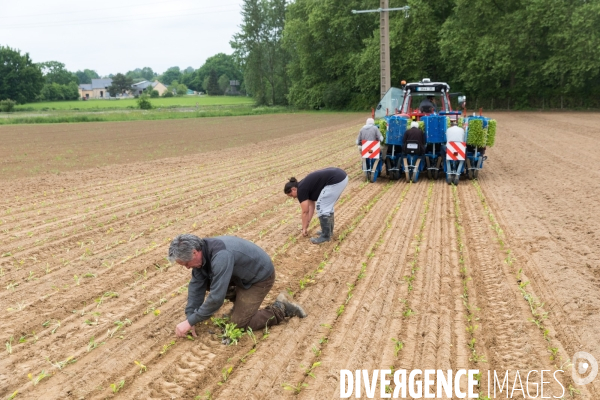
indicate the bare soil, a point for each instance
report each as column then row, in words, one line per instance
column 500, row 274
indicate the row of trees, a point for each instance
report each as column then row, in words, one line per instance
column 24, row 81
column 314, row 53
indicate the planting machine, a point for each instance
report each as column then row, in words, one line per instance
column 428, row 103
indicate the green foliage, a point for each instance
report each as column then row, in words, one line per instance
column 86, row 76
column 57, row 92
column 223, row 83
column 491, row 136
column 477, row 136
column 178, row 88
column 213, row 84
column 154, row 94
column 168, row 93
column 259, row 48
column 222, row 63
column 382, row 125
column 7, row 105
column 120, row 84
column 55, row 72
column 139, row 74
column 20, row 79
column 144, row 102
column 170, row 75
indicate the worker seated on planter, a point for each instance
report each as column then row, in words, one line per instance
column 414, row 140
column 427, row 106
column 453, row 134
column 368, row 132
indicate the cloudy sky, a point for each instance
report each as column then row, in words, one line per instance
column 113, row 36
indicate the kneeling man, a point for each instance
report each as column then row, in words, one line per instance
column 220, row 262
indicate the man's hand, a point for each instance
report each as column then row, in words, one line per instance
column 305, row 232
column 184, row 327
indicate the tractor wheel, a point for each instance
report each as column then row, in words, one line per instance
column 456, row 179
column 449, row 178
column 436, row 174
column 429, row 170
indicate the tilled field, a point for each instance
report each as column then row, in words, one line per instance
column 500, row 274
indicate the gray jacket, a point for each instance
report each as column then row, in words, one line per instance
column 226, row 260
column 369, row 132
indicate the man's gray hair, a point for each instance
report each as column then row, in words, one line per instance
column 183, row 246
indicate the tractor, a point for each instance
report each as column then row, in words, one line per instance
column 428, row 103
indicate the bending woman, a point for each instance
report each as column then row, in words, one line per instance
column 320, row 190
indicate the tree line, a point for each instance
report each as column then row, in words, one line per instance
column 24, row 81
column 511, row 53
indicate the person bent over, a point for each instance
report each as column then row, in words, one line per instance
column 220, row 262
column 322, row 189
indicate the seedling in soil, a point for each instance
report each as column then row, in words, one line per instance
column 107, row 295
column 92, row 345
column 166, row 347
column 398, row 345
column 76, row 278
column 326, row 326
column 225, row 372
column 115, row 387
column 141, row 366
column 340, row 310
column 231, row 334
column 56, row 326
column 61, row 364
column 289, row 292
column 250, row 333
column 309, row 371
column 12, row 396
column 296, row 389
column 573, row 392
column 408, row 313
column 9, row 345
column 38, row 378
column 252, row 351
column 316, row 351
column 207, row 396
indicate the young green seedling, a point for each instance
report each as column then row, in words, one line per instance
column 115, row 387
column 296, row 389
column 141, row 366
column 398, row 345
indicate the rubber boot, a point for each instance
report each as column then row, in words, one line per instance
column 319, row 232
column 289, row 308
column 325, row 221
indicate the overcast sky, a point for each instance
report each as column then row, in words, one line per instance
column 113, row 36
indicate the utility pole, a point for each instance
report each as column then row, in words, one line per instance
column 384, row 41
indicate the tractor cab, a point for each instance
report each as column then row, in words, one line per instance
column 426, row 98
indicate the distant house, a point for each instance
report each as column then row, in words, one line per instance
column 98, row 89
column 138, row 88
